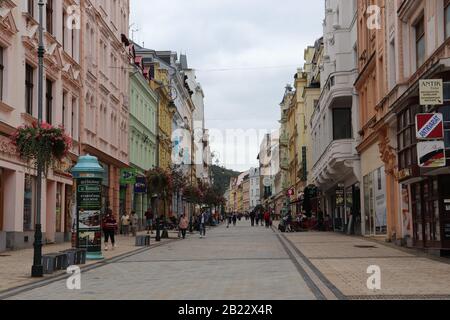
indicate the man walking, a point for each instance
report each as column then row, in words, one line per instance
column 202, row 224
column 252, row 218
column 125, row 224
column 149, row 220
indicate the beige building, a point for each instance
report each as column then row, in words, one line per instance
column 104, row 117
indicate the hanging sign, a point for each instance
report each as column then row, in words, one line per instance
column 141, row 185
column 431, row 154
column 431, row 92
column 128, row 176
column 429, row 126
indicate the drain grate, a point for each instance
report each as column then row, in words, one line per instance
column 366, row 247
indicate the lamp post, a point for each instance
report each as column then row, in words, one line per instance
column 37, row 270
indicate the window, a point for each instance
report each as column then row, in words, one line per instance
column 30, row 7
column 49, row 101
column 446, row 112
column 64, row 109
column 29, row 203
column 447, row 18
column 29, row 73
column 342, row 123
column 49, row 16
column 74, row 126
column 2, row 68
column 419, row 29
column 406, row 137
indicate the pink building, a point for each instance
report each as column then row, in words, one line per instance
column 18, row 105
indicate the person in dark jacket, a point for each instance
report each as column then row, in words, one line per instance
column 252, row 218
column 109, row 227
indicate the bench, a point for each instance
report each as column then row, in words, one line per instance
column 143, row 241
column 54, row 261
column 75, row 256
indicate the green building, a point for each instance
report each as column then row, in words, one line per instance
column 143, row 134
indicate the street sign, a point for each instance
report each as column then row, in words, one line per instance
column 431, row 154
column 128, row 176
column 429, row 126
column 431, row 92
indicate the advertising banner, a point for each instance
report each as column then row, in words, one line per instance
column 431, row 154
column 429, row 126
column 89, row 203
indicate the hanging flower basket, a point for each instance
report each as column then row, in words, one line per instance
column 160, row 182
column 45, row 145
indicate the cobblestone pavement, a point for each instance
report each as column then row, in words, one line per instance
column 259, row 264
column 15, row 266
column 235, row 263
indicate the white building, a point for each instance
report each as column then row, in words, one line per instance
column 335, row 121
column 255, row 188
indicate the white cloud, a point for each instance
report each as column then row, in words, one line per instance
column 219, row 34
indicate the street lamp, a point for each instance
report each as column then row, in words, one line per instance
column 37, row 270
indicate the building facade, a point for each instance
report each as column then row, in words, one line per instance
column 105, row 105
column 335, row 120
column 143, row 133
column 19, row 105
column 255, row 192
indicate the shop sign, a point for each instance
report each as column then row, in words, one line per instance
column 128, row 176
column 431, row 154
column 429, row 126
column 141, row 185
column 431, row 92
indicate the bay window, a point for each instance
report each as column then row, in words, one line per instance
column 342, row 123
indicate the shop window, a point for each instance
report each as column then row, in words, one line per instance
column 29, row 203
column 342, row 123
column 59, row 190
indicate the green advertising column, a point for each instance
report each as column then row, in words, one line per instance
column 88, row 175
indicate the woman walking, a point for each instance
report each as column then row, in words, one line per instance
column 183, row 226
column 109, row 229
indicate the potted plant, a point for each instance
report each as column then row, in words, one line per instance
column 42, row 145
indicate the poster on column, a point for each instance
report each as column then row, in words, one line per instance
column 406, row 213
column 380, row 201
column 89, row 214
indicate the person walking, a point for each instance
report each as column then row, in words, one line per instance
column 183, row 225
column 134, row 223
column 252, row 218
column 109, row 226
column 257, row 218
column 149, row 220
column 234, row 219
column 125, row 221
column 230, row 220
column 202, row 224
column 267, row 219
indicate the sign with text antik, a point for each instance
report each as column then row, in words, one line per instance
column 431, row 92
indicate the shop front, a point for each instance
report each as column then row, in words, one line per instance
column 424, row 175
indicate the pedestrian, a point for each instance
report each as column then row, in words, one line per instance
column 125, row 221
column 109, row 226
column 230, row 220
column 234, row 219
column 267, row 219
column 149, row 220
column 134, row 223
column 183, row 225
column 252, row 218
column 202, row 224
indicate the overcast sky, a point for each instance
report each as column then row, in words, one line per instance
column 261, row 41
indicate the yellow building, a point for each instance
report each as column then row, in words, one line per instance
column 166, row 110
column 296, row 127
column 311, row 95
